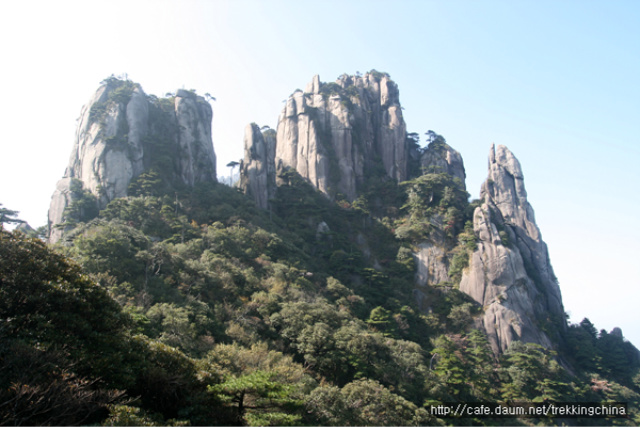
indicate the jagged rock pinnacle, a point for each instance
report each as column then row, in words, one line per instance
column 510, row 274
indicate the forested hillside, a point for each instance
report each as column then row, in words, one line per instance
column 197, row 308
column 184, row 303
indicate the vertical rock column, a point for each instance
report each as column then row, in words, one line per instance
column 509, row 272
column 332, row 132
column 257, row 172
column 197, row 161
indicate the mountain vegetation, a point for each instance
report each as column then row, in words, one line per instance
column 188, row 305
column 200, row 309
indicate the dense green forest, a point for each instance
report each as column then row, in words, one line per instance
column 190, row 306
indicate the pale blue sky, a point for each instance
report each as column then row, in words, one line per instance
column 558, row 82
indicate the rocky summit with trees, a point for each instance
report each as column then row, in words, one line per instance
column 346, row 280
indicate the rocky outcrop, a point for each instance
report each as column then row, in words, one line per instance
column 509, row 272
column 257, row 170
column 338, row 135
column 61, row 199
column 432, row 257
column 25, row 228
column 104, row 158
column 197, row 160
column 122, row 132
column 432, row 266
column 439, row 157
column 333, row 133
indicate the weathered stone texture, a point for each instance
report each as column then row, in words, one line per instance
column 109, row 148
column 510, row 274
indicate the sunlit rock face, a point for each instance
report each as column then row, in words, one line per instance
column 61, row 199
column 334, row 133
column 118, row 131
column 337, row 135
column 431, row 259
column 510, row 274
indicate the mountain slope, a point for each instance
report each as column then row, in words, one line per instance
column 315, row 309
column 334, row 135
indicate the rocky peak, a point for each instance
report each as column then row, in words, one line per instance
column 122, row 132
column 505, row 188
column 332, row 134
column 509, row 273
column 313, row 86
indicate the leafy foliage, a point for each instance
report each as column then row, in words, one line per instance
column 118, row 93
column 83, row 206
column 60, row 333
column 427, row 196
column 7, row 216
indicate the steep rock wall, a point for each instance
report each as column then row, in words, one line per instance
column 509, row 273
column 332, row 133
column 432, row 258
column 257, row 170
column 117, row 137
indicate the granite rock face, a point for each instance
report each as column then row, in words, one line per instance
column 339, row 135
column 197, row 159
column 118, row 132
column 509, row 273
column 332, row 133
column 61, row 199
column 257, row 170
column 439, row 157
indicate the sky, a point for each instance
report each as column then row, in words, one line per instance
column 557, row 82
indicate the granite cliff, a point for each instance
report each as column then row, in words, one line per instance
column 257, row 170
column 122, row 133
column 509, row 273
column 439, row 157
column 335, row 134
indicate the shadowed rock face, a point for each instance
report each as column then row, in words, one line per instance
column 197, row 159
column 257, row 171
column 332, row 133
column 509, row 273
column 115, row 137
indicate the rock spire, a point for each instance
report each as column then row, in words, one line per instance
column 509, row 273
column 333, row 134
column 257, row 170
